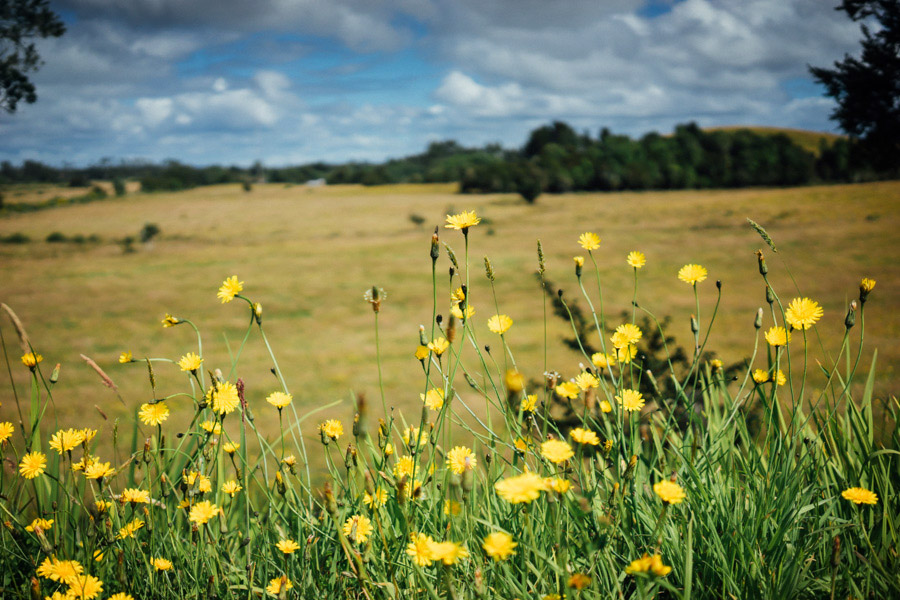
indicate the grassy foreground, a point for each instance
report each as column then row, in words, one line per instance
column 507, row 480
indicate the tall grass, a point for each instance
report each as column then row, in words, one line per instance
column 506, row 485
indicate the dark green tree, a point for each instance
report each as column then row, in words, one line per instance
column 21, row 23
column 867, row 89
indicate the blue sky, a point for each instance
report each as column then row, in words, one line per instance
column 293, row 81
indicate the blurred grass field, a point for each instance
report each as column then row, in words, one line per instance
column 309, row 254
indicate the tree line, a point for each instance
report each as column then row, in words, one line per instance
column 554, row 159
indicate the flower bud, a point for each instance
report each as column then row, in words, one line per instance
column 770, row 296
column 579, row 265
column 423, row 339
column 865, row 286
column 435, row 246
column 763, row 269
column 54, row 376
column 369, row 484
column 695, row 326
column 850, row 319
column 758, row 321
column 257, row 312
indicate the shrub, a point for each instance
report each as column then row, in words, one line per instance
column 56, row 237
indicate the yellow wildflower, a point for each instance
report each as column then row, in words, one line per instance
column 190, row 362
column 858, row 495
column 461, row 459
column 669, row 491
column 557, row 451
column 519, row 489
column 802, row 313
column 358, row 528
column 433, row 398
column 631, row 400
column 692, row 274
column 589, row 241
column 287, row 546
column 230, row 288
column 153, row 414
column 462, row 221
column 636, row 259
column 499, row 545
column 585, row 436
column 500, row 324
column 32, row 464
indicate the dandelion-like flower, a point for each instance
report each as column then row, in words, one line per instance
column 652, row 564
column 161, row 564
column 557, row 484
column 760, row 375
column 669, row 491
column 134, row 496
column 213, row 427
column 59, row 570
column 83, row 587
column 170, row 321
column 626, row 335
column 98, row 470
column 66, row 440
column 802, row 313
column 332, row 428
column 520, row 489
column 130, row 529
column 778, row 336
column 438, row 345
column 448, row 552
column 499, row 545
column 458, row 313
column 585, row 381
column 780, row 378
column 278, row 585
column 631, row 400
column 568, row 389
column 461, row 459
column 585, row 436
column 529, row 403
column 404, row 467
column 230, row 288
column 126, row 357
column 279, row 399
column 420, row 549
column 858, row 495
column 557, row 451
column 500, row 324
column 867, row 285
column 358, row 528
column 636, row 259
column 231, row 447
column 605, row 406
column 225, row 398
column 603, row 361
column 462, row 221
column 626, row 354
column 287, row 546
column 589, row 241
column 692, row 274
column 153, row 414
column 413, row 437
column 202, row 512
column 579, row 263
column 30, row 359
column 190, row 362
column 6, row 431
column 120, row 596
column 231, row 487
column 376, row 499
column 433, row 398
column 43, row 524
column 32, row 464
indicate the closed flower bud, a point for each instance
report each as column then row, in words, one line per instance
column 147, row 457
column 763, row 269
column 695, row 326
column 770, row 295
column 865, row 286
column 330, row 503
column 369, row 484
column 850, row 319
column 435, row 246
column 257, row 312
column 758, row 321
column 54, row 376
column 423, row 339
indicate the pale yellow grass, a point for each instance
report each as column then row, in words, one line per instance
column 309, row 254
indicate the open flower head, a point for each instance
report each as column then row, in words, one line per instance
column 858, row 495
column 499, row 545
column 692, row 274
column 153, row 414
column 636, row 259
column 287, row 546
column 6, row 431
column 461, row 459
column 278, row 585
column 589, row 241
column 83, row 587
column 586, row 381
column 161, row 564
column 585, row 436
column 420, row 549
column 557, row 451
column 433, row 398
column 332, row 428
column 190, row 362
column 98, row 470
column 279, row 399
column 448, row 552
column 630, row 400
column 231, row 487
column 42, row 524
column 626, row 334
column 202, row 512
column 225, row 398
column 529, row 403
column 520, row 489
column 130, row 529
column 230, row 288
column 438, row 345
column 134, row 496
column 30, row 359
column 376, row 499
column 32, row 464
column 778, row 336
column 59, row 570
column 66, row 440
column 500, row 324
column 648, row 564
column 568, row 389
column 669, row 491
column 802, row 313
column 358, row 528
column 126, row 357
column 462, row 221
